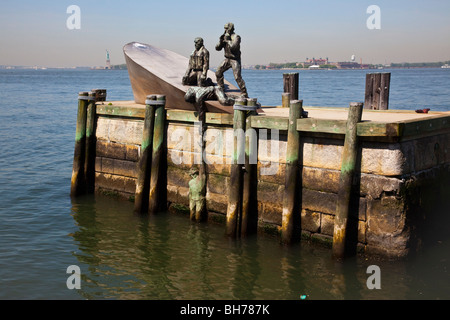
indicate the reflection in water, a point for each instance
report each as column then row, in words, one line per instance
column 166, row 257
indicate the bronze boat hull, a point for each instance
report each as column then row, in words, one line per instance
column 159, row 71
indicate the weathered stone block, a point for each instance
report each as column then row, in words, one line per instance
column 183, row 196
column 125, row 168
column 271, row 213
column 98, row 164
column 325, row 202
column 310, row 221
column 375, row 185
column 125, row 131
column 118, row 167
column 320, row 179
column 327, row 224
column 317, row 201
column 218, row 184
column 212, row 159
column 180, row 137
column 431, row 151
column 216, row 202
column 219, row 142
column 114, row 182
column 272, row 150
column 327, row 227
column 222, row 169
column 108, row 165
column 102, row 128
column 386, row 224
column 273, row 172
column 172, row 194
column 132, row 152
column 180, row 159
column 322, row 153
column 111, row 150
column 270, row 193
column 376, row 158
column 178, row 177
column 382, row 159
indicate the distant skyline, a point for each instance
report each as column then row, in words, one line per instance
column 35, row 33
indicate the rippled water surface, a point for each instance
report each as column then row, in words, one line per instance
column 123, row 256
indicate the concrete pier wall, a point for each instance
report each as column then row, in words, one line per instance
column 400, row 179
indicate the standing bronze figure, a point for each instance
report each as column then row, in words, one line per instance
column 197, row 71
column 231, row 43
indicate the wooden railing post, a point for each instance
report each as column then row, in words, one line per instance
column 348, row 167
column 290, row 227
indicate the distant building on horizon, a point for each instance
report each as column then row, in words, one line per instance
column 313, row 62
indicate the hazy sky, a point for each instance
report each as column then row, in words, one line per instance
column 35, row 32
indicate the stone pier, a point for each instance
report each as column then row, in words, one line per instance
column 403, row 168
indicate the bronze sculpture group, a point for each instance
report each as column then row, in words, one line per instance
column 202, row 87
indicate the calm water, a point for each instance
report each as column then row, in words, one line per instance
column 123, row 256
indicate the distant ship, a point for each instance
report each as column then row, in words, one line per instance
column 445, row 66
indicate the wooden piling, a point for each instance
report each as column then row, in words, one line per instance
column 100, row 94
column 249, row 222
column 349, row 158
column 78, row 186
column 158, row 188
column 141, row 199
column 285, row 99
column 377, row 91
column 290, row 227
column 291, row 84
column 236, row 177
column 89, row 165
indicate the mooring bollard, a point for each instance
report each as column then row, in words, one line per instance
column 141, row 199
column 349, row 158
column 158, row 188
column 89, row 165
column 290, row 228
column 78, row 180
column 238, row 160
column 249, row 224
